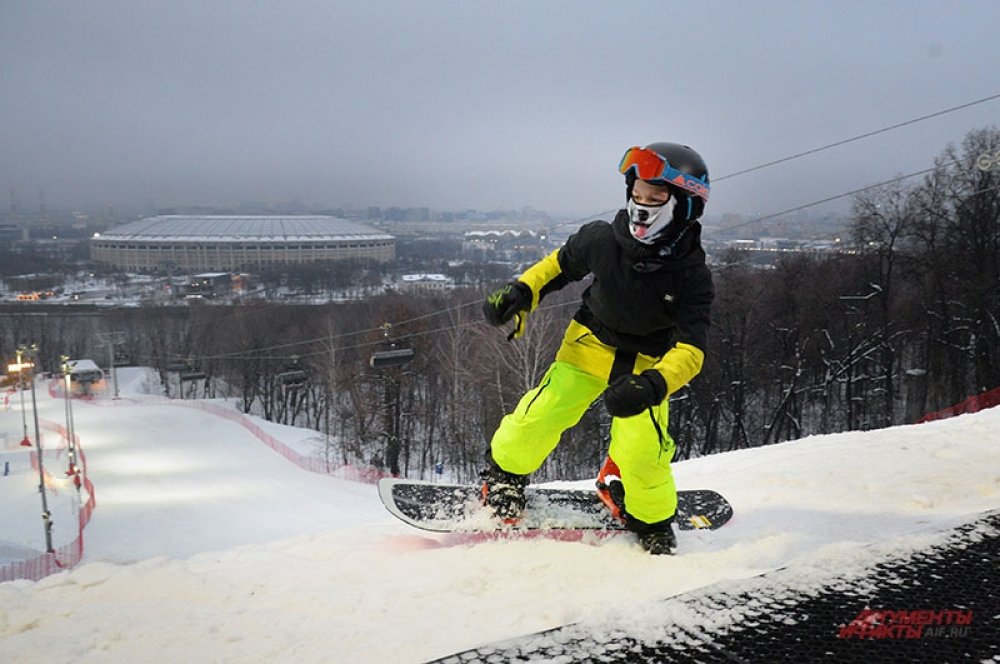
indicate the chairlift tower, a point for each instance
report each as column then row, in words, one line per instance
column 111, row 340
column 72, row 469
column 389, row 357
column 185, row 373
column 32, row 352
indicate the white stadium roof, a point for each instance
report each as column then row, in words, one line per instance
column 223, row 228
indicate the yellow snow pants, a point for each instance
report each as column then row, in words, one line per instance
column 640, row 444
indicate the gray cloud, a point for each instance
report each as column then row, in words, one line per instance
column 474, row 104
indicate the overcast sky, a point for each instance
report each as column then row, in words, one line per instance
column 455, row 104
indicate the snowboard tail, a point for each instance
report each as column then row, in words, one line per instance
column 458, row 507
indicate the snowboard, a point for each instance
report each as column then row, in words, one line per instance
column 458, row 508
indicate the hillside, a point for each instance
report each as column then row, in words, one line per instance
column 208, row 546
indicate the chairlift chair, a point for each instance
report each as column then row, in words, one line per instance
column 293, row 378
column 391, row 356
column 293, row 375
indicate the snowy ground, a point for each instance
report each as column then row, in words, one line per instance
column 208, row 546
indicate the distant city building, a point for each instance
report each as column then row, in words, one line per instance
column 509, row 245
column 502, row 239
column 10, row 235
column 233, row 243
column 213, row 284
column 425, row 282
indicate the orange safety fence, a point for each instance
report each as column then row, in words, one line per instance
column 67, row 555
column 365, row 474
column 970, row 405
column 70, row 554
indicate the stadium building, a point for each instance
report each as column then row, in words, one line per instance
column 232, row 243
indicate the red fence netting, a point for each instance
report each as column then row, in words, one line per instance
column 70, row 554
column 365, row 474
column 970, row 405
column 67, row 555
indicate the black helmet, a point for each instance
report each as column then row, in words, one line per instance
column 678, row 166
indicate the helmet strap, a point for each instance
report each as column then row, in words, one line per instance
column 667, row 248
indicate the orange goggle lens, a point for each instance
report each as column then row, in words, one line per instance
column 649, row 165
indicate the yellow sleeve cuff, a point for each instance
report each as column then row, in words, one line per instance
column 681, row 363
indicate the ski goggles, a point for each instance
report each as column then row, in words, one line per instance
column 649, row 165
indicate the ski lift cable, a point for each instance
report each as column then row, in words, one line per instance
column 330, row 337
column 851, row 193
column 371, row 344
column 821, row 201
column 828, row 146
column 447, row 328
column 858, row 137
column 467, row 304
column 241, row 354
column 244, row 355
column 845, row 141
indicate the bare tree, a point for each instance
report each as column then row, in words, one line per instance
column 882, row 219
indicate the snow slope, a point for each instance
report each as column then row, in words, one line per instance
column 208, row 546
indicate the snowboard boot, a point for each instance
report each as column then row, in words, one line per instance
column 657, row 538
column 503, row 493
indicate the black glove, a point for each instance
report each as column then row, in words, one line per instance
column 501, row 305
column 632, row 394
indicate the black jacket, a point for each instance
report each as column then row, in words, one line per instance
column 643, row 298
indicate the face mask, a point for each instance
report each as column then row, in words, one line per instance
column 646, row 223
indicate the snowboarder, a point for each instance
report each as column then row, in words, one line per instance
column 638, row 337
